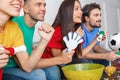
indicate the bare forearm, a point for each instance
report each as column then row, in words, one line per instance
column 37, row 53
column 28, row 63
column 43, row 63
column 91, row 55
column 89, row 47
column 98, row 49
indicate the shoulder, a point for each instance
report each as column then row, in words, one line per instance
column 57, row 31
column 12, row 26
column 57, row 28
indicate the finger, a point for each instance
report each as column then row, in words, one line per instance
column 3, row 56
column 71, row 53
column 47, row 27
column 106, row 34
column 2, row 65
column 79, row 29
column 3, row 50
column 82, row 33
column 4, row 61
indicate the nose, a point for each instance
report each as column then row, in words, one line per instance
column 99, row 17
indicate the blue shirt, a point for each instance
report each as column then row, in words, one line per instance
column 89, row 36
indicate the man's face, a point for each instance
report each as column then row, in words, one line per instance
column 37, row 9
column 95, row 18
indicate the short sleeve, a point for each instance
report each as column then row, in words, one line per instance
column 18, row 39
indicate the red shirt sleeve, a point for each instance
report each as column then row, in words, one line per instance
column 56, row 41
column 0, row 74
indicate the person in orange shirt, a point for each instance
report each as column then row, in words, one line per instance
column 8, row 9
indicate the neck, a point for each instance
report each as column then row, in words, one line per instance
column 29, row 21
column 88, row 27
column 3, row 19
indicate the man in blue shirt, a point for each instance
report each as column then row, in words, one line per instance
column 91, row 24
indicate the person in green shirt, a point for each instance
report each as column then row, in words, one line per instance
column 34, row 11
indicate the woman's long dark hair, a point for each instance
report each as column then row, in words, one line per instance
column 64, row 19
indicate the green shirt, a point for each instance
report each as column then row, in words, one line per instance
column 27, row 31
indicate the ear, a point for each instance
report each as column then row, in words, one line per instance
column 86, row 18
column 25, row 8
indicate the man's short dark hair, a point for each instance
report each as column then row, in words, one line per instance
column 88, row 8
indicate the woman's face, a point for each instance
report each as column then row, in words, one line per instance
column 11, row 7
column 77, row 13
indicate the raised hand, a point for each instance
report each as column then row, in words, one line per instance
column 80, row 31
column 72, row 41
column 102, row 36
column 46, row 31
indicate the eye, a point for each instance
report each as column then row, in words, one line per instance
column 76, row 8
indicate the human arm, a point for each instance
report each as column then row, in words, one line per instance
column 56, row 52
column 64, row 58
column 110, row 56
column 100, row 54
column 86, row 50
column 98, row 49
column 28, row 63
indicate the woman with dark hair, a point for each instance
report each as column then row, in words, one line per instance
column 67, row 20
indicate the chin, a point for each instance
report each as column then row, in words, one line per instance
column 41, row 19
column 77, row 22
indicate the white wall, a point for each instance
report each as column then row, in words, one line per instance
column 51, row 11
column 110, row 14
